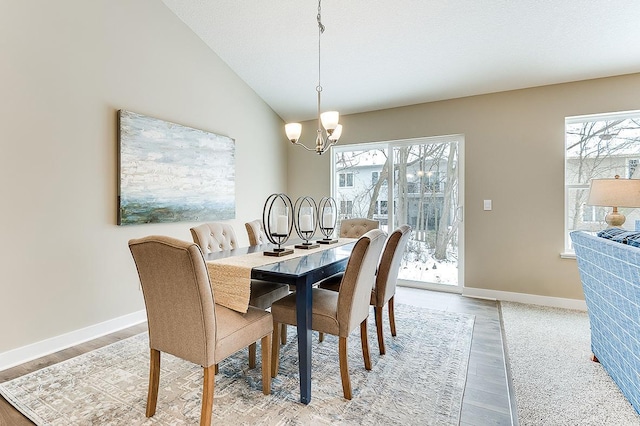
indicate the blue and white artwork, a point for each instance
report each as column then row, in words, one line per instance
column 173, row 173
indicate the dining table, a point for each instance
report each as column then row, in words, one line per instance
column 301, row 271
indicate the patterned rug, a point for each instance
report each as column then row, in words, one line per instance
column 420, row 380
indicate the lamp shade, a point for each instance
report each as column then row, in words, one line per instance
column 336, row 133
column 330, row 119
column 614, row 193
column 293, row 131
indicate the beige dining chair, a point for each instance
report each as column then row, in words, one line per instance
column 357, row 227
column 349, row 228
column 184, row 320
column 215, row 236
column 256, row 233
column 338, row 313
column 384, row 290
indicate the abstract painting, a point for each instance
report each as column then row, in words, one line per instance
column 173, row 173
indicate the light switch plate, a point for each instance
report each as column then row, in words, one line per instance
column 487, row 204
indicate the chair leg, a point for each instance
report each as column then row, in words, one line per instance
column 216, row 369
column 377, row 310
column 265, row 346
column 283, row 334
column 275, row 349
column 207, row 395
column 344, row 368
column 154, row 381
column 320, row 337
column 392, row 317
column 365, row 344
column 252, row 355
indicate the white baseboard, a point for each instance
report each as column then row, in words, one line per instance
column 48, row 346
column 554, row 302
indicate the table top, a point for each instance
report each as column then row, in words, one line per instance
column 312, row 267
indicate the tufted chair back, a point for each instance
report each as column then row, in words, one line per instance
column 256, row 233
column 356, row 228
column 212, row 237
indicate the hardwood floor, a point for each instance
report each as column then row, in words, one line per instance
column 486, row 399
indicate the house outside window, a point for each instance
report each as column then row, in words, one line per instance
column 598, row 146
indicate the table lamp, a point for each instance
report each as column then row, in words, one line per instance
column 614, row 193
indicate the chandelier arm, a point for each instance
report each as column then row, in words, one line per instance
column 305, row 147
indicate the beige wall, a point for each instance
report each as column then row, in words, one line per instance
column 66, row 67
column 514, row 150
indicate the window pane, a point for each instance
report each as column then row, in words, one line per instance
column 426, row 197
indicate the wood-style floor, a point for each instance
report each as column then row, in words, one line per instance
column 486, row 398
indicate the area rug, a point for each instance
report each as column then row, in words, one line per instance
column 420, row 380
column 555, row 381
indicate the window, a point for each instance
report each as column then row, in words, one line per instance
column 345, row 180
column 633, row 165
column 381, row 207
column 417, row 182
column 346, row 209
column 598, row 146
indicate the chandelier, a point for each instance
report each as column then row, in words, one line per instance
column 328, row 137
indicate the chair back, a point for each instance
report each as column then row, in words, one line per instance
column 387, row 275
column 178, row 297
column 356, row 228
column 256, row 233
column 357, row 281
column 212, row 237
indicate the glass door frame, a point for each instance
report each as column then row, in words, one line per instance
column 389, row 147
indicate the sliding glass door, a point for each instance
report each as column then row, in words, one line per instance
column 416, row 182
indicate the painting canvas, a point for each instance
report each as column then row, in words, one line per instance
column 173, row 173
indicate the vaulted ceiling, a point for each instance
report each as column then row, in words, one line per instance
column 382, row 54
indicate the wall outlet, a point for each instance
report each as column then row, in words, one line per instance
column 487, row 204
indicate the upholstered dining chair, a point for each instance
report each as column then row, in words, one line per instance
column 184, row 320
column 256, row 233
column 338, row 313
column 215, row 236
column 357, row 227
column 384, row 289
column 349, row 228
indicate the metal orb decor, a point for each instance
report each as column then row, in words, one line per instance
column 305, row 221
column 327, row 218
column 277, row 217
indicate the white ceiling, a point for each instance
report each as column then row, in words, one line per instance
column 381, row 54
